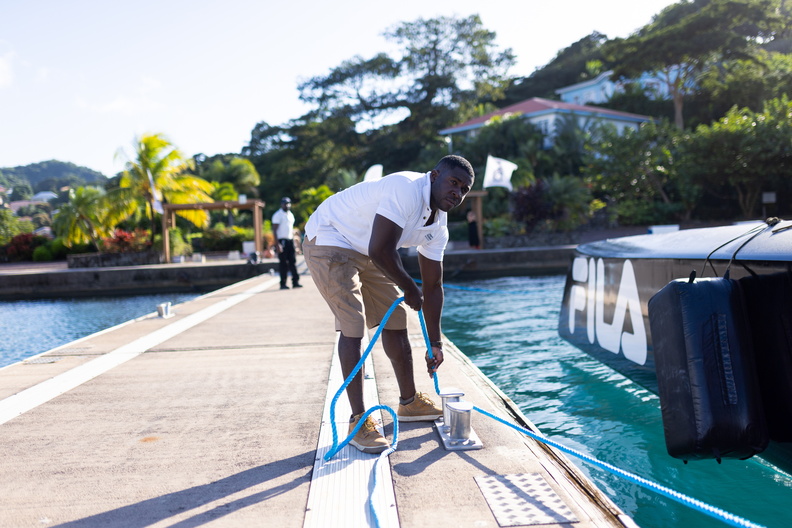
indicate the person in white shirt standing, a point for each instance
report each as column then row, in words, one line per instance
column 350, row 247
column 283, row 230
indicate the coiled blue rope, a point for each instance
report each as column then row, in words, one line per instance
column 336, row 446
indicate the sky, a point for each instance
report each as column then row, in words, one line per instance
column 81, row 79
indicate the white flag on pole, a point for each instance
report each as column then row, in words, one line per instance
column 498, row 172
column 374, row 173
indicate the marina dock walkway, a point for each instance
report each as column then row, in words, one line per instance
column 214, row 417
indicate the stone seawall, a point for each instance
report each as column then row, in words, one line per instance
column 475, row 264
column 86, row 282
column 204, row 277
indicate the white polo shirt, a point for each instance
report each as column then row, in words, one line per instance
column 346, row 219
column 285, row 222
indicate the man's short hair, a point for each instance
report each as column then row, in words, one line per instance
column 453, row 161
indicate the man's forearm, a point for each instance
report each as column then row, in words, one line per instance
column 433, row 310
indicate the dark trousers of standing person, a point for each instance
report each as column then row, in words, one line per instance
column 473, row 237
column 288, row 263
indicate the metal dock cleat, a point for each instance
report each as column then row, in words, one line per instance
column 455, row 427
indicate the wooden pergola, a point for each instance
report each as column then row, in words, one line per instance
column 169, row 219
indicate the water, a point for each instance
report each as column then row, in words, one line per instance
column 28, row 328
column 579, row 402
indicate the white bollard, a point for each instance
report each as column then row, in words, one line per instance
column 164, row 310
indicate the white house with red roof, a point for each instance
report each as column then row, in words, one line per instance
column 547, row 115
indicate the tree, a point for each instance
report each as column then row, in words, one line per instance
column 234, row 170
column 512, row 138
column 684, row 38
column 158, row 173
column 743, row 154
column 224, row 192
column 569, row 145
column 310, row 199
column 306, row 152
column 344, row 179
column 570, row 202
column 444, row 61
column 747, row 83
column 10, row 226
column 578, row 62
column 21, row 191
column 444, row 66
column 89, row 216
column 636, row 171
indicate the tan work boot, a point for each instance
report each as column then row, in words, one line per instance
column 421, row 409
column 367, row 439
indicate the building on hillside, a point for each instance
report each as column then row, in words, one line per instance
column 600, row 89
column 548, row 116
column 45, row 231
column 19, row 204
column 44, row 196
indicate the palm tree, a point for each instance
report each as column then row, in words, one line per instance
column 239, row 172
column 157, row 174
column 90, row 215
column 225, row 192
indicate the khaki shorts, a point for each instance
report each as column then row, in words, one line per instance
column 355, row 289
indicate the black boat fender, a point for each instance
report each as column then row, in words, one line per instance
column 709, row 394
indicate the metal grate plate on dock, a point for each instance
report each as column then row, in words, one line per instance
column 42, row 360
column 523, row 500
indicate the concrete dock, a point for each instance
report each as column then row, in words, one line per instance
column 218, row 416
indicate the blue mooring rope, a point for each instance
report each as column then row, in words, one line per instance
column 708, row 509
column 336, row 446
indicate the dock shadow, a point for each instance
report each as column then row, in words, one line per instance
column 414, row 467
column 157, row 509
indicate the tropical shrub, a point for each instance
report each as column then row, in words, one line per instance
column 638, row 212
column 42, row 254
column 500, row 226
column 127, row 242
column 11, row 225
column 22, row 246
column 530, row 207
column 178, row 245
column 59, row 249
column 570, row 202
column 221, row 238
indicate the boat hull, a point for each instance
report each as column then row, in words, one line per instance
column 604, row 310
